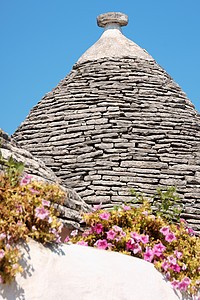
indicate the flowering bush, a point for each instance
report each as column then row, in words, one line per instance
column 172, row 248
column 27, row 209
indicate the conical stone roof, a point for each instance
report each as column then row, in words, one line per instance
column 118, row 120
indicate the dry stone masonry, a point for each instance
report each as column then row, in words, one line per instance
column 73, row 204
column 118, row 120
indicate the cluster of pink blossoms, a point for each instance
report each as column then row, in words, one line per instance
column 41, row 213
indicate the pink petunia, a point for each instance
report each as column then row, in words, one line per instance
column 175, row 284
column 178, row 254
column 82, row 243
column 101, row 244
column 74, row 232
column 2, row 236
column 33, row 191
column 175, row 268
column 135, row 236
column 144, row 239
column 172, row 260
column 98, row 228
column 122, row 233
column 19, row 209
column 45, row 203
column 0, row 279
column 184, row 283
column 145, row 213
column 117, row 228
column 41, row 213
column 149, row 254
column 136, row 248
column 2, row 253
column 34, row 228
column 126, row 207
column 164, row 230
column 67, row 239
column 159, row 249
column 15, row 266
column 111, row 234
column 118, row 238
column 104, row 216
column 165, row 265
column 130, row 244
column 97, row 207
column 110, row 245
column 184, row 267
column 170, row 237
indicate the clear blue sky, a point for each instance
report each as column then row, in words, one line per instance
column 42, row 39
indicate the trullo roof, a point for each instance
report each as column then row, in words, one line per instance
column 118, row 120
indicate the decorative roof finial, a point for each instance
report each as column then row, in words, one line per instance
column 112, row 18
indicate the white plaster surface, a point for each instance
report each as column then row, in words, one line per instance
column 113, row 43
column 73, row 272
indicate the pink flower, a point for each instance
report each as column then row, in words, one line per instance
column 130, row 244
column 15, row 266
column 104, row 216
column 175, row 284
column 122, row 233
column 110, row 245
column 176, row 268
column 184, row 267
column 168, row 275
column 84, row 234
column 58, row 240
column 182, row 220
column 170, row 237
column 46, row 203
column 50, row 220
column 2, row 236
column 98, row 228
column 101, row 244
column 111, row 234
column 144, row 239
column 178, row 254
column 145, row 213
column 67, row 239
column 41, row 213
column 149, row 254
column 2, row 253
column 74, row 233
column 158, row 249
column 19, row 223
column 137, row 248
column 190, row 231
column 126, row 207
column 82, row 243
column 184, row 283
column 164, row 230
column 33, row 191
column 25, row 180
column 118, row 238
column 165, row 265
column 34, row 228
column 117, row 228
column 172, row 260
column 135, row 236
column 19, row 209
column 97, row 207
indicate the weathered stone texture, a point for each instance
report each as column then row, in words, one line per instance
column 117, row 123
column 73, row 204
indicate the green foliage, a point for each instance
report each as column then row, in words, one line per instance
column 27, row 209
column 11, row 168
column 164, row 203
